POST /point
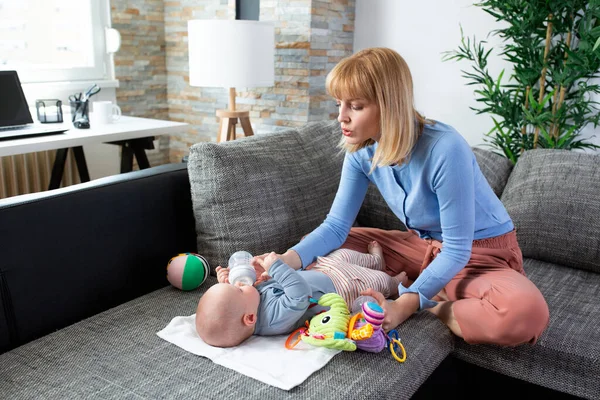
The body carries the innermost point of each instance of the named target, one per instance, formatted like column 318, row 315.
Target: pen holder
column 49, row 110
column 80, row 115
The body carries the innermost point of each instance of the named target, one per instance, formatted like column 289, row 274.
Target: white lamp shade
column 231, row 53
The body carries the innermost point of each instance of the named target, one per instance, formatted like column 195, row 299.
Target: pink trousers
column 493, row 301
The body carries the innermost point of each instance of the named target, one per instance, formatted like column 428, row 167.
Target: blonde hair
column 381, row 76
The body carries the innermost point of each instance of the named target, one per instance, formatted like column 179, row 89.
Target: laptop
column 15, row 118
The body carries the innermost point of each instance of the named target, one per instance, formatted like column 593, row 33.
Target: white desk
column 131, row 133
column 125, row 128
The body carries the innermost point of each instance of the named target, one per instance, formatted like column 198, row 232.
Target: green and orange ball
column 187, row 271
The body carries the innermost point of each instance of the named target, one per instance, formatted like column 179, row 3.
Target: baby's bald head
column 226, row 315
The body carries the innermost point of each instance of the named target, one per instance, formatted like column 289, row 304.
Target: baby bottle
column 370, row 309
column 240, row 268
column 360, row 300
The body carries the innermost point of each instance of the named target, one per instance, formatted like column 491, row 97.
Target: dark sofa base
column 455, row 378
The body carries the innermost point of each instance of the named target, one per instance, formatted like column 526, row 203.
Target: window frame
column 102, row 68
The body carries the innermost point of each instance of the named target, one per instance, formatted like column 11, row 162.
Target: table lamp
column 230, row 54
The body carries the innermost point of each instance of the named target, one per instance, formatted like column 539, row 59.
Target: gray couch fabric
column 567, row 355
column 117, row 355
column 375, row 213
column 494, row 167
column 553, row 199
column 263, row 192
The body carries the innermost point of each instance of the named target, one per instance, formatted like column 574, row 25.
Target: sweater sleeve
column 285, row 309
column 332, row 233
column 451, row 179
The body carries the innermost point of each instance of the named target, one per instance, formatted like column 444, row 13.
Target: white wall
column 421, row 31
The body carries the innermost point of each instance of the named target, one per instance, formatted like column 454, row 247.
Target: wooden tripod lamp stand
column 230, row 54
column 230, row 117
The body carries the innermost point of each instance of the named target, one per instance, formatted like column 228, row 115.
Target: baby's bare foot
column 401, row 278
column 375, row 249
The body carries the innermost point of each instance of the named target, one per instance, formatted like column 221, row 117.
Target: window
column 55, row 40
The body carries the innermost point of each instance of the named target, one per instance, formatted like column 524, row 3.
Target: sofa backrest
column 553, row 197
column 263, row 193
column 494, row 167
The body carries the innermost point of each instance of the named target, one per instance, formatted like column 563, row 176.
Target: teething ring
column 393, row 351
column 352, row 323
column 299, row 332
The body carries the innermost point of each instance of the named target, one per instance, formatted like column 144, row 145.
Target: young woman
column 460, row 249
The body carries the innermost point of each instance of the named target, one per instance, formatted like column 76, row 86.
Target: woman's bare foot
column 445, row 312
column 375, row 249
column 441, row 296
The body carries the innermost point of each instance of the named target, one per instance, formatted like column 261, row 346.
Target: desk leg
column 84, row 175
column 58, row 168
column 126, row 158
column 140, row 156
column 136, row 147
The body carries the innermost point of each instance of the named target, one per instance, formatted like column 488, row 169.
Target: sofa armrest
column 70, row 253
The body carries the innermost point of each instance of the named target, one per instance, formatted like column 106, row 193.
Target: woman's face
column 359, row 120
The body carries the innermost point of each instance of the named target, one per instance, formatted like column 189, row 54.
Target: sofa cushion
column 566, row 356
column 553, row 197
column 117, row 354
column 263, row 193
column 494, row 167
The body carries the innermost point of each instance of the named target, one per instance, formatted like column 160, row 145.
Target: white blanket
column 263, row 358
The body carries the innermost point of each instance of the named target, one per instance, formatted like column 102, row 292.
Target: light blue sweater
column 284, row 299
column 440, row 193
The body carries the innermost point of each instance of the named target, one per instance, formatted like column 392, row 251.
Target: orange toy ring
column 352, row 322
column 288, row 344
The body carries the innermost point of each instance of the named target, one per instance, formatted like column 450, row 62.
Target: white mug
column 105, row 112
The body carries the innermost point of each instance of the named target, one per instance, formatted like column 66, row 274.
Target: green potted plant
column 554, row 47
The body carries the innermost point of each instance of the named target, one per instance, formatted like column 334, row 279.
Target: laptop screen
column 13, row 106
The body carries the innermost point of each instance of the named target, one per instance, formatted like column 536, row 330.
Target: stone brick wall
column 332, row 38
column 140, row 65
column 193, row 105
column 311, row 37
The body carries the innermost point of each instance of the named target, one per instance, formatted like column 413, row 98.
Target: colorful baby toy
column 338, row 329
column 187, row 271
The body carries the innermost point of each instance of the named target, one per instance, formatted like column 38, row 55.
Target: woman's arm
column 332, row 233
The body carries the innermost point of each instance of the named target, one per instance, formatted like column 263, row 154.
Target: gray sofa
column 84, row 325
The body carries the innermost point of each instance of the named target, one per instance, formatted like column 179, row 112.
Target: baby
column 278, row 302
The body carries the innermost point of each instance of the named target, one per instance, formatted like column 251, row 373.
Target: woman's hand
column 290, row 257
column 268, row 261
column 222, row 274
column 263, row 263
column 397, row 311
